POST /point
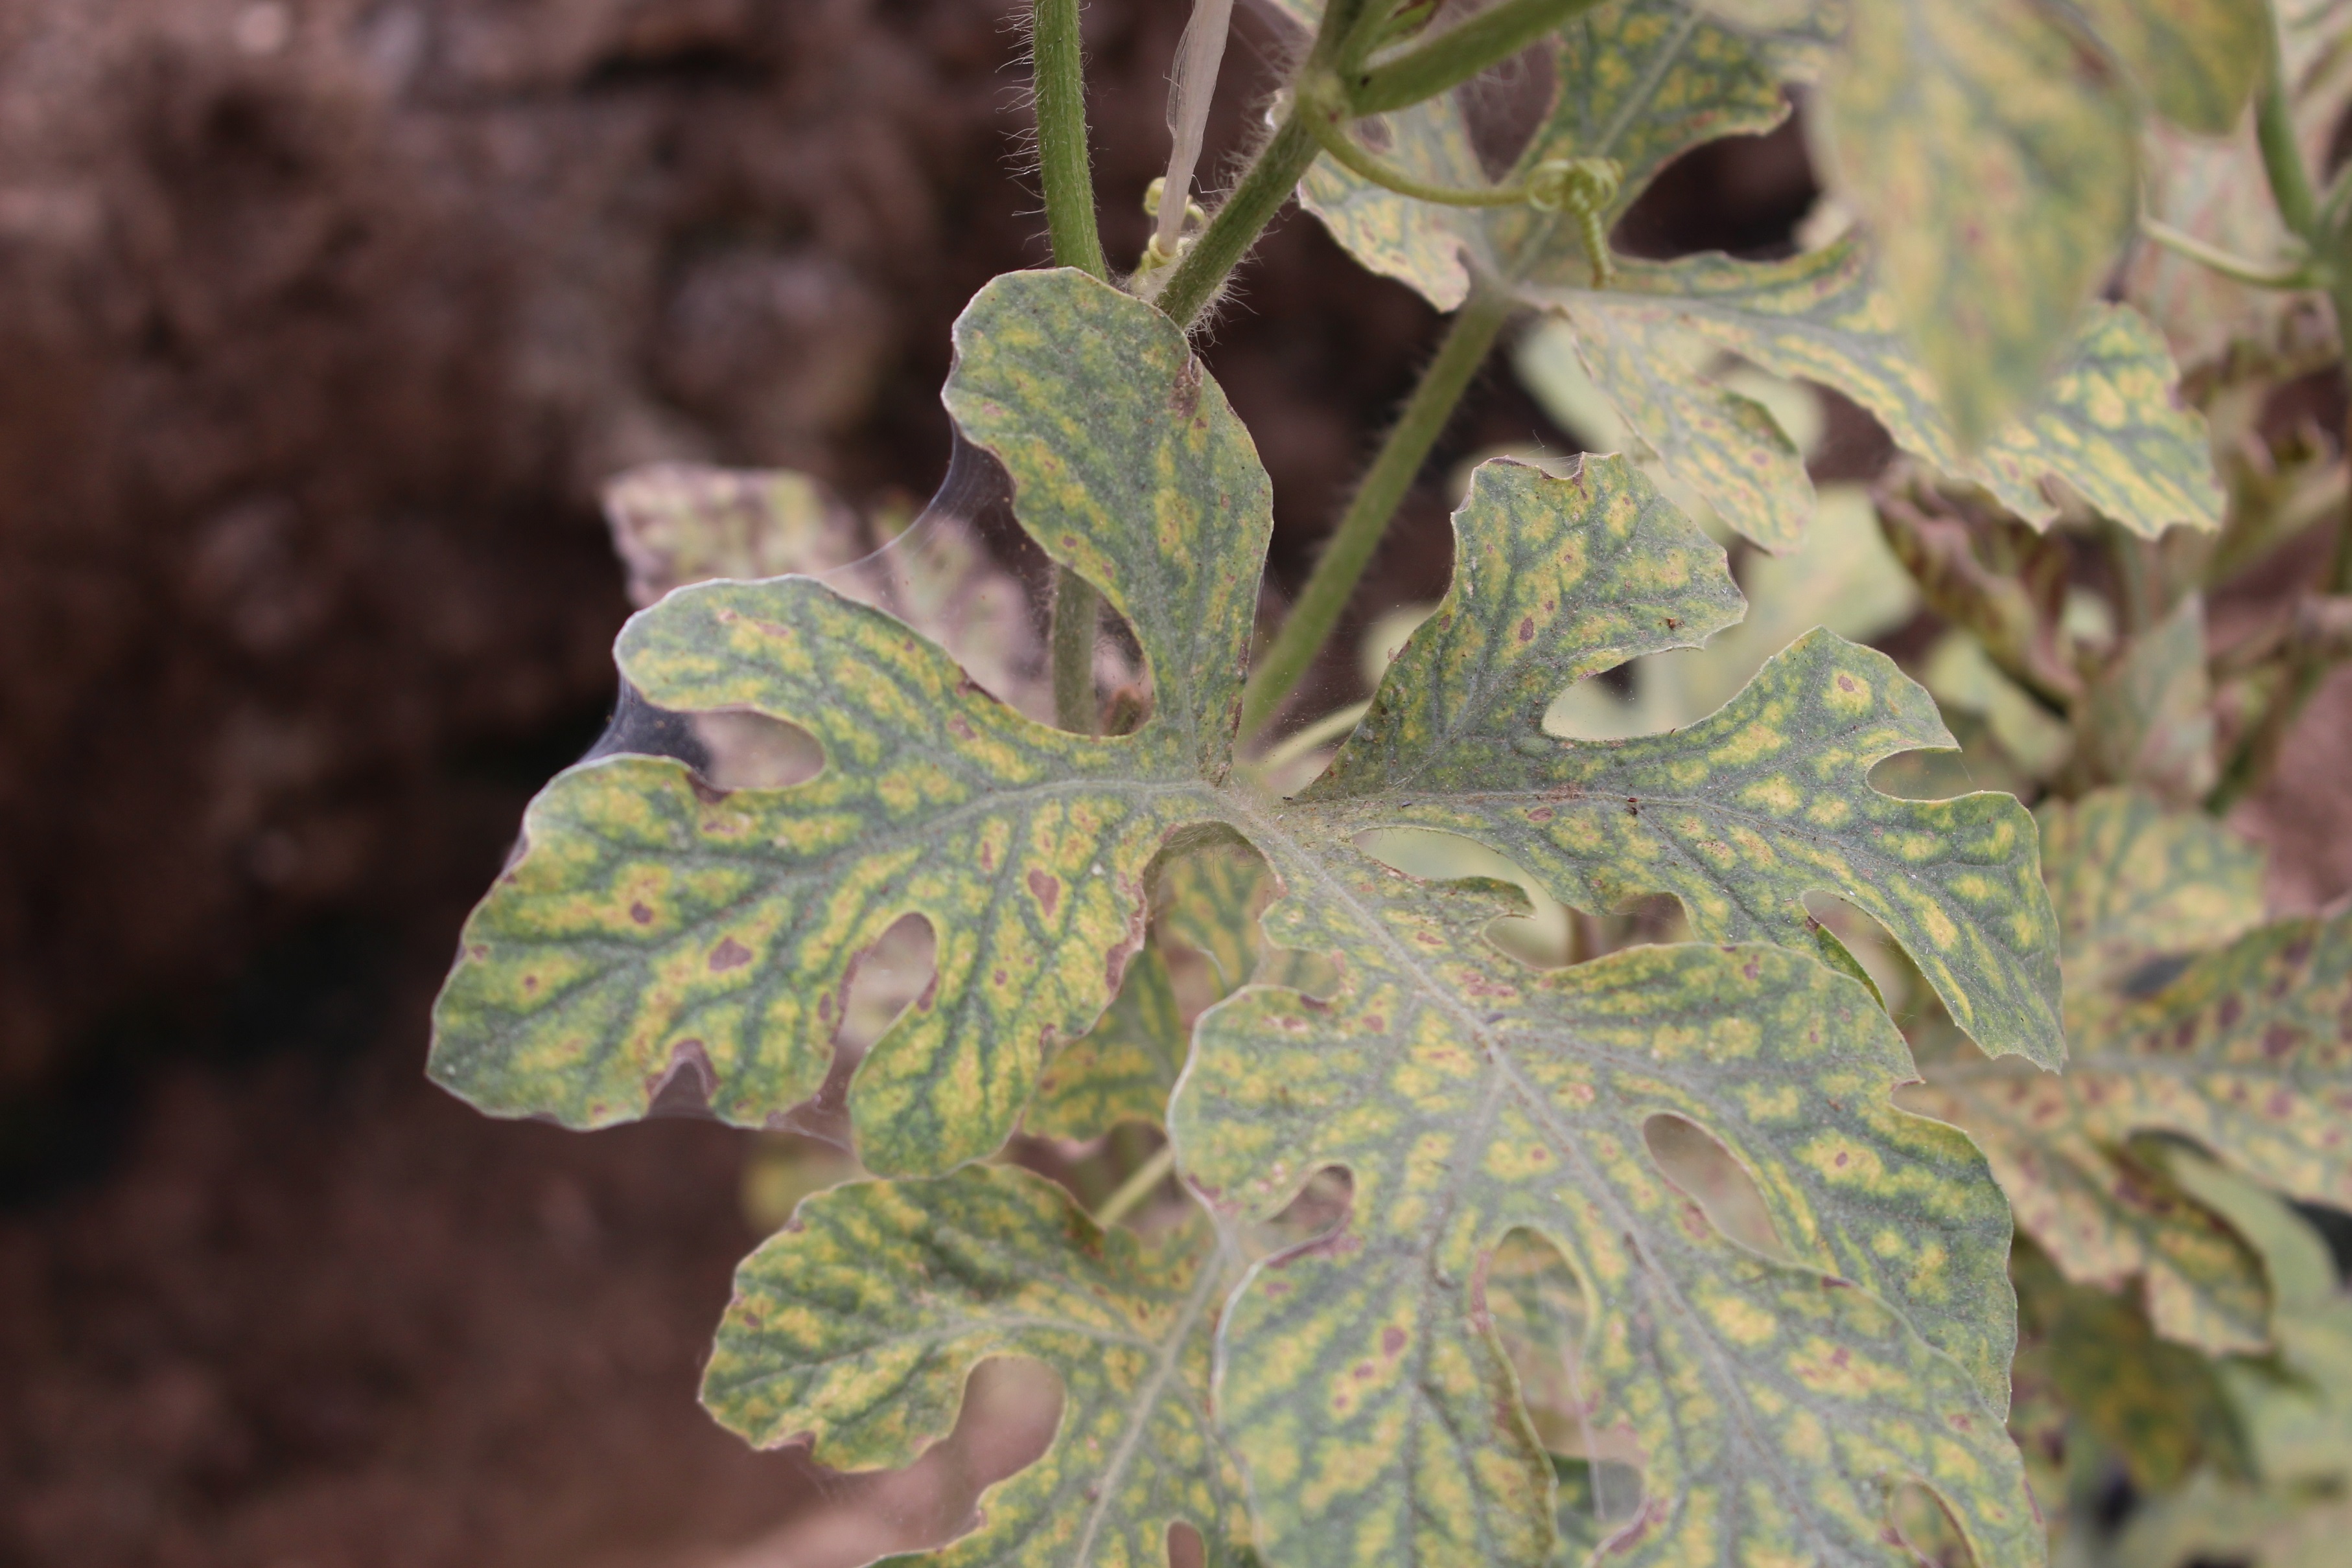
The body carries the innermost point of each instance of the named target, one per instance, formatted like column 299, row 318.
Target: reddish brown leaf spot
column 958, row 727
column 641, row 915
column 1540, row 814
column 1046, row 889
column 1846, row 682
column 2228, row 1014
column 1526, row 628
column 1363, row 1371
column 1392, row 1340
column 728, row 954
column 1841, row 1159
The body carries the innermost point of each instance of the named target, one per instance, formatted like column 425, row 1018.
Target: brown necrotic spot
column 1046, row 889
column 728, row 954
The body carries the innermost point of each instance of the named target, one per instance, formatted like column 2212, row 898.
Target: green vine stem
column 2307, row 669
column 1069, row 178
column 1451, row 57
column 1062, row 158
column 1326, row 113
column 2283, row 164
column 1333, row 580
column 1348, row 32
column 1218, row 248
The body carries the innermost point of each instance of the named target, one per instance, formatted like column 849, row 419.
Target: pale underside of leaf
column 857, row 1327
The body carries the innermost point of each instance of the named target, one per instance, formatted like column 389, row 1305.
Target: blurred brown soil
column 319, row 325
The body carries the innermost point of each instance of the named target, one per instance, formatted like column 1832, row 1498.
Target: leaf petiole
column 2303, row 274
column 1451, row 57
column 1325, row 112
column 1136, row 1188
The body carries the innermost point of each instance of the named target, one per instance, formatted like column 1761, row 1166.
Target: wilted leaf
column 1639, row 81
column 2296, row 1412
column 856, row 1328
column 675, row 523
column 1644, row 80
column 1994, row 157
column 1466, row 1097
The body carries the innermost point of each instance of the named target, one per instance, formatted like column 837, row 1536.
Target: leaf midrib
column 1504, row 1067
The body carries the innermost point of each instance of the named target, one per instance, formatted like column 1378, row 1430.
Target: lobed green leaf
column 653, row 918
column 1771, row 1404
column 857, row 1326
column 1739, row 815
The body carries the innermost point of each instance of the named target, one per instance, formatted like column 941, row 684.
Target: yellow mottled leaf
column 857, row 1326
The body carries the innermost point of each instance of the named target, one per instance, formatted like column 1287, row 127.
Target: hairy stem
column 1063, row 162
column 1061, row 89
column 1280, row 164
column 1341, row 38
column 1455, row 56
column 1333, row 580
